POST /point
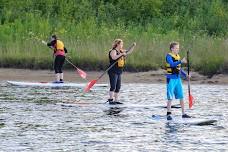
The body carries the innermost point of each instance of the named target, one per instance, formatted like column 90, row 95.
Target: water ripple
column 45, row 119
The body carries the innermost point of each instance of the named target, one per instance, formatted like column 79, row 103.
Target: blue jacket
column 174, row 64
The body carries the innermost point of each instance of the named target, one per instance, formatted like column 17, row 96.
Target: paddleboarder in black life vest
column 117, row 53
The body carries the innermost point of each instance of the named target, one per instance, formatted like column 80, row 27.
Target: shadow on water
column 171, row 137
column 2, row 124
column 115, row 111
column 171, row 128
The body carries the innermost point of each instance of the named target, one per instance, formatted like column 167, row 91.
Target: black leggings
column 59, row 61
column 115, row 81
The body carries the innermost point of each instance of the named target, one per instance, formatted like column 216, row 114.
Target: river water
column 47, row 119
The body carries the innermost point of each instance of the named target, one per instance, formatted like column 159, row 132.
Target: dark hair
column 54, row 37
column 172, row 44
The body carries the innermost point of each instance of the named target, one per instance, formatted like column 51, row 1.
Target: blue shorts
column 174, row 89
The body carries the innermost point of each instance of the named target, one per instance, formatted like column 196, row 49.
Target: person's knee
column 117, row 90
column 56, row 70
column 112, row 82
column 112, row 88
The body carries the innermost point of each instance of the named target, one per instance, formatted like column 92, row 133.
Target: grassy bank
column 88, row 29
column 89, row 47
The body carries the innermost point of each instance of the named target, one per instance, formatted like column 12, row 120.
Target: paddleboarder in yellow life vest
column 173, row 77
column 59, row 53
column 117, row 53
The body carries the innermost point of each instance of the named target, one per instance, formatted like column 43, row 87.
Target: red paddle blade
column 190, row 99
column 81, row 73
column 90, row 85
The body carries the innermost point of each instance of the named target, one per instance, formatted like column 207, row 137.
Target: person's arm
column 51, row 44
column 114, row 55
column 65, row 50
column 170, row 61
column 131, row 48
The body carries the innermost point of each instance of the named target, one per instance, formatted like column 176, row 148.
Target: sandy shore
column 72, row 76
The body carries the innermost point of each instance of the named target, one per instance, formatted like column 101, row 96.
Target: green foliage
column 89, row 27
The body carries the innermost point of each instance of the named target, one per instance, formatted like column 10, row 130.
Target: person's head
column 117, row 44
column 174, row 47
column 53, row 38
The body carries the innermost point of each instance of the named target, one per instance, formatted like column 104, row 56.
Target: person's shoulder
column 53, row 42
column 168, row 55
column 59, row 41
column 112, row 50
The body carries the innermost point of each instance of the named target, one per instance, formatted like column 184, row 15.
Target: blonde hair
column 116, row 42
column 172, row 44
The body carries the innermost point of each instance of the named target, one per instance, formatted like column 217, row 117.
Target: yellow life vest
column 59, row 45
column 121, row 62
column 173, row 70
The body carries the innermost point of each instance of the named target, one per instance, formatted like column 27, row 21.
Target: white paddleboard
column 51, row 84
column 124, row 105
column 185, row 121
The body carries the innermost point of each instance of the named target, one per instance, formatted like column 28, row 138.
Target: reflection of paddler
column 114, row 110
column 174, row 84
column 59, row 53
column 117, row 53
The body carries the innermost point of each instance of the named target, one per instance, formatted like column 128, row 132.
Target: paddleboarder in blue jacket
column 173, row 77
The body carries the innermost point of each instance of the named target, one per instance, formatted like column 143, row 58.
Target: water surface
column 35, row 119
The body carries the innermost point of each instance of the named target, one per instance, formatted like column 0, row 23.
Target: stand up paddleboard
column 176, row 106
column 185, row 121
column 51, row 84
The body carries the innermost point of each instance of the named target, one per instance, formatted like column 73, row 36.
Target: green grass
column 88, row 46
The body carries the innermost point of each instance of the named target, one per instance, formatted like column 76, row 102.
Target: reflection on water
column 114, row 110
column 44, row 119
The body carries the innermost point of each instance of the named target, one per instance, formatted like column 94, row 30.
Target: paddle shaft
column 114, row 63
column 71, row 63
column 188, row 68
